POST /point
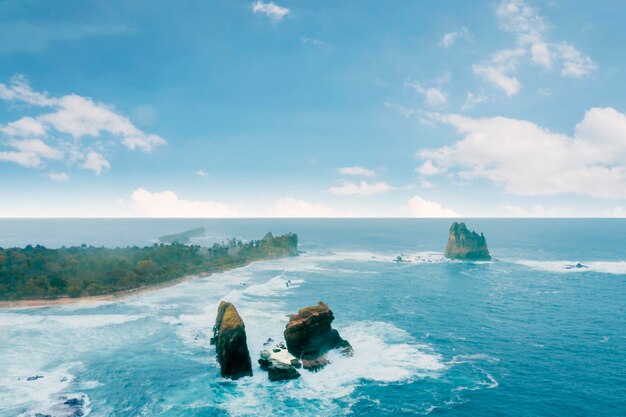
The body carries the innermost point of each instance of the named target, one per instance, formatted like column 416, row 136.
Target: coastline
column 116, row 296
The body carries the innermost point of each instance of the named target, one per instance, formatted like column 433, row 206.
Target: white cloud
column 526, row 159
column 312, row 41
column 538, row 210
column 450, row 38
column 58, row 176
column 427, row 169
column 292, row 207
column 30, row 153
column 361, row 189
column 472, row 100
column 421, row 207
column 360, row 171
column 96, row 162
column 77, row 124
column 201, row 173
column 24, row 127
column 275, row 12
column 433, row 97
column 575, row 64
column 529, row 29
column 168, row 204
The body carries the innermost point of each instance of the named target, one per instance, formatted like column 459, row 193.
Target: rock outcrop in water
column 466, row 245
column 279, row 363
column 229, row 338
column 309, row 336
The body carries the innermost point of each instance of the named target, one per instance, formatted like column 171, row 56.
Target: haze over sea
column 519, row 336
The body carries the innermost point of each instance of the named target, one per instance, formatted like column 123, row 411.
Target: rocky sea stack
column 466, row 245
column 309, row 336
column 229, row 338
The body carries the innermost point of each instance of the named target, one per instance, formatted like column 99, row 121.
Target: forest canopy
column 36, row 272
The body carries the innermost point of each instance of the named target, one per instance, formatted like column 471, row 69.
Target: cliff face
column 231, row 342
column 280, row 245
column 466, row 245
column 309, row 335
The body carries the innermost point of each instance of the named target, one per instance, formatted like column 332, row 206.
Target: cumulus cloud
column 527, row 159
column 358, row 171
column 292, row 207
column 168, row 204
column 77, row 125
column 448, row 39
column 529, row 29
column 275, row 12
column 58, row 176
column 201, row 173
column 420, row 207
column 362, row 188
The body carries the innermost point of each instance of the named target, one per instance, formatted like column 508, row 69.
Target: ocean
column 522, row 335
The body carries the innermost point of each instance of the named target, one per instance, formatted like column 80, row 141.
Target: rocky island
column 40, row 273
column 466, row 245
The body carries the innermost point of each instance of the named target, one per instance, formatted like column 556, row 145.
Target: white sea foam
column 617, row 267
column 46, row 394
column 73, row 322
column 383, row 353
column 274, row 286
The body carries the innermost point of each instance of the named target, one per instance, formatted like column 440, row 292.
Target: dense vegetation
column 36, row 272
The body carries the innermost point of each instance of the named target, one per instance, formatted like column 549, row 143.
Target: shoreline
column 116, row 296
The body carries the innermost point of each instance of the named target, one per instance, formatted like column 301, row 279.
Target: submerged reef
column 466, row 245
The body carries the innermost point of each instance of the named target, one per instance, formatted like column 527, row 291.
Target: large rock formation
column 309, row 336
column 229, row 338
column 466, row 245
column 279, row 363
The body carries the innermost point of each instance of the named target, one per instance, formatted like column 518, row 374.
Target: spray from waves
column 54, row 392
column 383, row 354
column 616, row 268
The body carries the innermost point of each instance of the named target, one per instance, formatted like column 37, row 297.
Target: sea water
column 523, row 335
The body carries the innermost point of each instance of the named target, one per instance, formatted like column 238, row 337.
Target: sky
column 320, row 108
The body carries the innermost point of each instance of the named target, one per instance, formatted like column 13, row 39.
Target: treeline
column 36, row 272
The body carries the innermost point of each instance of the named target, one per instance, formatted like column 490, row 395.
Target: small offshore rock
column 279, row 364
column 34, row 378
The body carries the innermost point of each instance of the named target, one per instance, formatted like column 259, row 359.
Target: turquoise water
column 519, row 336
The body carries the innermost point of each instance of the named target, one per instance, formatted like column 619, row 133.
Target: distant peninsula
column 466, row 245
column 39, row 273
column 184, row 237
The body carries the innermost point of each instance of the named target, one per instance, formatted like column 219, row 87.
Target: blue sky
column 232, row 108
